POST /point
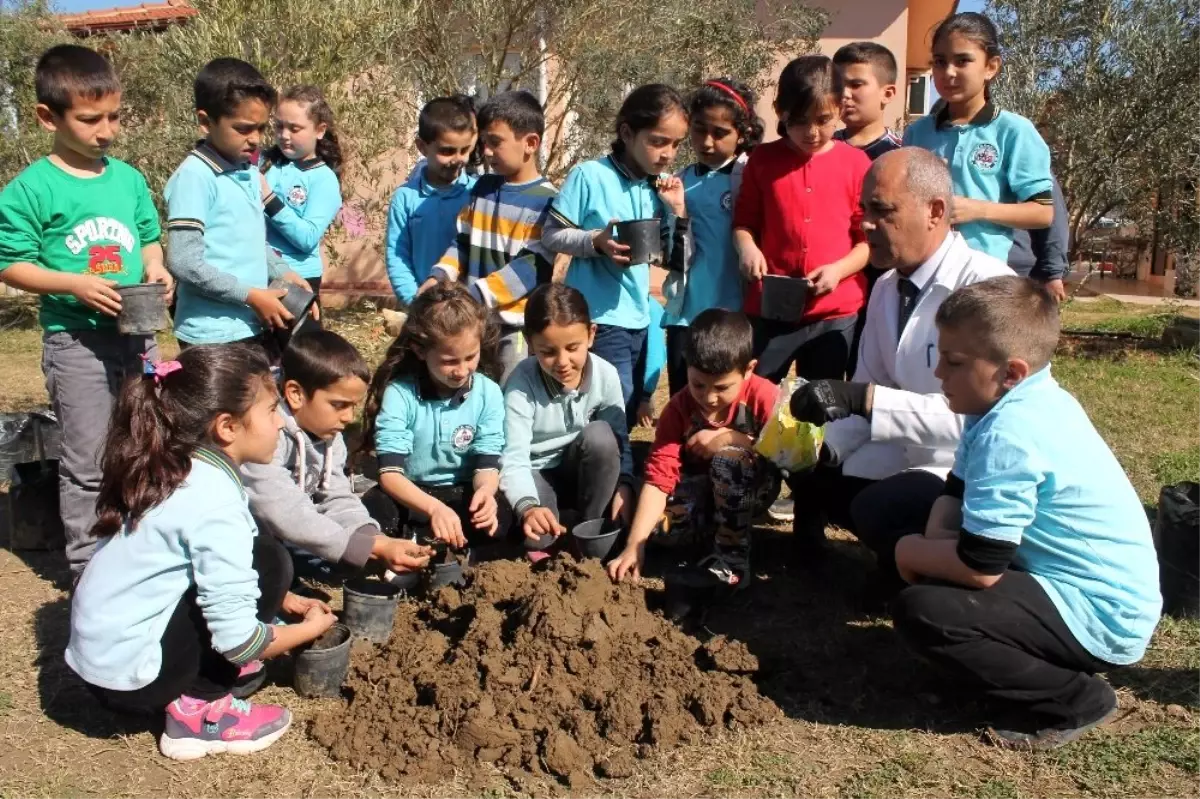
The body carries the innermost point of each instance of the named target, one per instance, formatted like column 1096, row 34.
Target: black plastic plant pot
column 784, row 298
column 321, row 668
column 298, row 301
column 369, row 608
column 143, row 309
column 444, row 574
column 644, row 239
column 595, row 538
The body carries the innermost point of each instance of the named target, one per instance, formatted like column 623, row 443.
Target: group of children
column 505, row 404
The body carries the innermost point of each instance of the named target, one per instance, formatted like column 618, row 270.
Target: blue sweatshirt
column 437, row 441
column 542, row 419
column 203, row 536
column 307, row 196
column 422, row 223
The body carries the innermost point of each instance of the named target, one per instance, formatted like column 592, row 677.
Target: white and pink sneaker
column 196, row 728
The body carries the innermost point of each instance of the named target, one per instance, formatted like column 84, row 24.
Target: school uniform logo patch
column 727, row 201
column 985, row 157
column 464, row 434
column 296, row 196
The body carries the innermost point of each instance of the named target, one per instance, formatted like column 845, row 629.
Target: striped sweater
column 498, row 249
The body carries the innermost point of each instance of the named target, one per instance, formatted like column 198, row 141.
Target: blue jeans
column 626, row 350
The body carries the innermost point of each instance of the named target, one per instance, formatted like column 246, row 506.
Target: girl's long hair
column 329, row 149
column 444, row 310
column 158, row 422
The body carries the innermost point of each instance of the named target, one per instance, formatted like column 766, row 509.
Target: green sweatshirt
column 96, row 226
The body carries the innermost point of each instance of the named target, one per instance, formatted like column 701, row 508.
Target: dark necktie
column 908, row 300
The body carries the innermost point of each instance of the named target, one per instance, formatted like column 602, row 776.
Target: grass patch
column 1106, row 315
column 767, row 773
column 1177, row 466
column 1115, row 765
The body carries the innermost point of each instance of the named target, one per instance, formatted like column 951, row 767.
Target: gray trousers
column 84, row 371
column 512, row 350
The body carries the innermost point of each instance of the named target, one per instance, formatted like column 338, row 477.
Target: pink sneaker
column 196, row 728
column 250, row 678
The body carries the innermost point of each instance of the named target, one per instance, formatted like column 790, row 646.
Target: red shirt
column 803, row 213
column 682, row 418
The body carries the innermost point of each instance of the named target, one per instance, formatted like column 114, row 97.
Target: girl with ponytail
column 301, row 183
column 174, row 609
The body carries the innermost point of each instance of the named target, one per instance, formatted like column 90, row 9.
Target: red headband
column 737, row 98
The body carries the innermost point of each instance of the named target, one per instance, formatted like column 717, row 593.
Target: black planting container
column 321, row 668
column 369, row 608
column 644, row 239
column 143, row 309
column 297, row 301
column 595, row 538
column 443, row 574
column 784, row 298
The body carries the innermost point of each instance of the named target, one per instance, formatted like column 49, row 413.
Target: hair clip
column 159, row 369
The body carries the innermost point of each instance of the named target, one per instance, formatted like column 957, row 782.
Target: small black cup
column 644, row 239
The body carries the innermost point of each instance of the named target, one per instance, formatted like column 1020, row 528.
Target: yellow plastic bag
column 792, row 445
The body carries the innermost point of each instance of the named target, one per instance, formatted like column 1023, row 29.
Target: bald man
column 889, row 435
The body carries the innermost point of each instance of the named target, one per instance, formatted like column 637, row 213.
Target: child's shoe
column 697, row 586
column 196, row 728
column 250, row 678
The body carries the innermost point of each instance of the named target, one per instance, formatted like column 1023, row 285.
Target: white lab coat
column 911, row 426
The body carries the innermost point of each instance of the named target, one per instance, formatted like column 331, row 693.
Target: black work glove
column 824, row 401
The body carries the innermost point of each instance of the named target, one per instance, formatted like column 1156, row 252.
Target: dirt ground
column 858, row 715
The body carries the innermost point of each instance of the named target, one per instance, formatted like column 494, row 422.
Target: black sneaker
column 1045, row 740
column 694, row 587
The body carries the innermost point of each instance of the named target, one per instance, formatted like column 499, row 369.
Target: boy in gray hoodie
column 303, row 496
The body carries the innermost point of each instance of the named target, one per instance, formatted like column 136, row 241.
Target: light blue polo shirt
column 998, row 156
column 713, row 278
column 1038, row 475
column 594, row 193
column 223, row 200
column 307, row 196
column 438, row 441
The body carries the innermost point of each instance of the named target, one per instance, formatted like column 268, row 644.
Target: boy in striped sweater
column 498, row 250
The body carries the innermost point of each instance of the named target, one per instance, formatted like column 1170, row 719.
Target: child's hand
column 623, row 504
column 753, row 263
column 540, row 521
column 296, row 280
column 158, row 274
column 319, row 618
column 670, row 189
column 446, row 526
column 645, row 413
column 300, row 605
column 97, row 293
column 485, row 511
column 604, row 243
column 627, row 564
column 263, row 187
column 964, row 210
column 266, row 303
column 822, row 280
column 1057, row 290
column 400, row 554
column 705, row 444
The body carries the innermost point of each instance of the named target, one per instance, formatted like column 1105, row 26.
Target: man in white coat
column 889, row 435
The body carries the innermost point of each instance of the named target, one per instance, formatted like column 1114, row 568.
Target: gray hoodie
column 303, row 497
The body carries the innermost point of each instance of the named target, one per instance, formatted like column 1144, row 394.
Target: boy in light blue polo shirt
column 423, row 216
column 1036, row 569
column 217, row 236
column 997, row 157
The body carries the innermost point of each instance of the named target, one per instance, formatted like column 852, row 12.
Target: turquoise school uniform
column 306, row 198
column 998, row 156
column 440, row 441
column 223, row 201
column 422, row 223
column 713, row 279
column 1037, row 475
column 594, row 193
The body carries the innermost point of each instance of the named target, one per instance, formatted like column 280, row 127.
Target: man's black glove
column 824, row 401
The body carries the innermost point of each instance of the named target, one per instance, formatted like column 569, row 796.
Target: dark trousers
column 878, row 512
column 820, row 350
column 190, row 665
column 1010, row 642
column 398, row 521
column 626, row 350
column 873, row 276
column 584, row 480
column 677, row 374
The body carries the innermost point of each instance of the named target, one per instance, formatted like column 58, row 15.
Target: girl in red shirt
column 798, row 216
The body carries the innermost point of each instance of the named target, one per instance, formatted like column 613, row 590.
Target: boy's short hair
column 520, row 110
column 225, row 83
column 719, row 342
column 878, row 56
column 319, row 359
column 441, row 114
column 1008, row 317
column 69, row 70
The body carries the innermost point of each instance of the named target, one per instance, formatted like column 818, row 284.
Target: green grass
column 1112, row 765
column 1106, row 315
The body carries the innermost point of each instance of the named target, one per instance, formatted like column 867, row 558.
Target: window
column 918, row 95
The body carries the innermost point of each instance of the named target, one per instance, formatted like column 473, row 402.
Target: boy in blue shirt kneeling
column 1036, row 569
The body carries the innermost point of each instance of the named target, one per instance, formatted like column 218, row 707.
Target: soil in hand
column 556, row 672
